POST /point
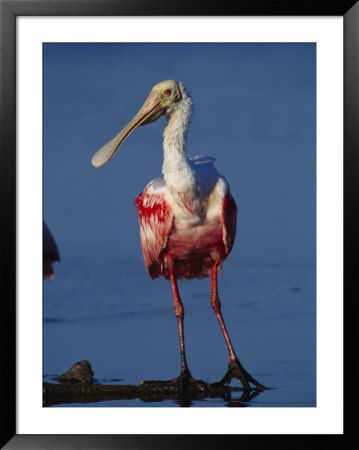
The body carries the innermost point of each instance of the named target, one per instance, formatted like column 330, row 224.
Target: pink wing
column 155, row 218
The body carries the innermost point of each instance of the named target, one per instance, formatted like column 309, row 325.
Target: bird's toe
column 237, row 371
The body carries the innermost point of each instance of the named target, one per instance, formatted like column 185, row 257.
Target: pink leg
column 179, row 313
column 185, row 379
column 216, row 305
column 235, row 368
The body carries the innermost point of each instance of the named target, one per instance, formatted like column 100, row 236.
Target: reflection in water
column 246, row 396
column 228, row 400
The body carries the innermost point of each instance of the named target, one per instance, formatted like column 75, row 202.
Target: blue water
column 108, row 311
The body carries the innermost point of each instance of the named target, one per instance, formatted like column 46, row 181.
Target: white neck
column 176, row 169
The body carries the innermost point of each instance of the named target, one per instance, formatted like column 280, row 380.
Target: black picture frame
column 9, row 10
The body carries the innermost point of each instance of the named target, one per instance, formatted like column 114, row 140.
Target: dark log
column 90, row 393
column 80, row 372
column 77, row 386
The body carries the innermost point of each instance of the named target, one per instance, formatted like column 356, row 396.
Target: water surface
column 124, row 324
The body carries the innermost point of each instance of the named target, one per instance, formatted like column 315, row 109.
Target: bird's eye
column 167, row 91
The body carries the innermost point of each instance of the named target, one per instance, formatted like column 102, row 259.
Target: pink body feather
column 191, row 251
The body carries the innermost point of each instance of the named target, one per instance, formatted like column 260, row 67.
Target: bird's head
column 162, row 97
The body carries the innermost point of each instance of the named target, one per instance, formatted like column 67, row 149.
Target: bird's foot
column 236, row 370
column 183, row 382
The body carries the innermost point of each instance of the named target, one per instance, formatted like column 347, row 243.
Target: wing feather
column 155, row 218
column 229, row 221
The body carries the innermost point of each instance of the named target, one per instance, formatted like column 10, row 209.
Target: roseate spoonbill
column 50, row 253
column 187, row 215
